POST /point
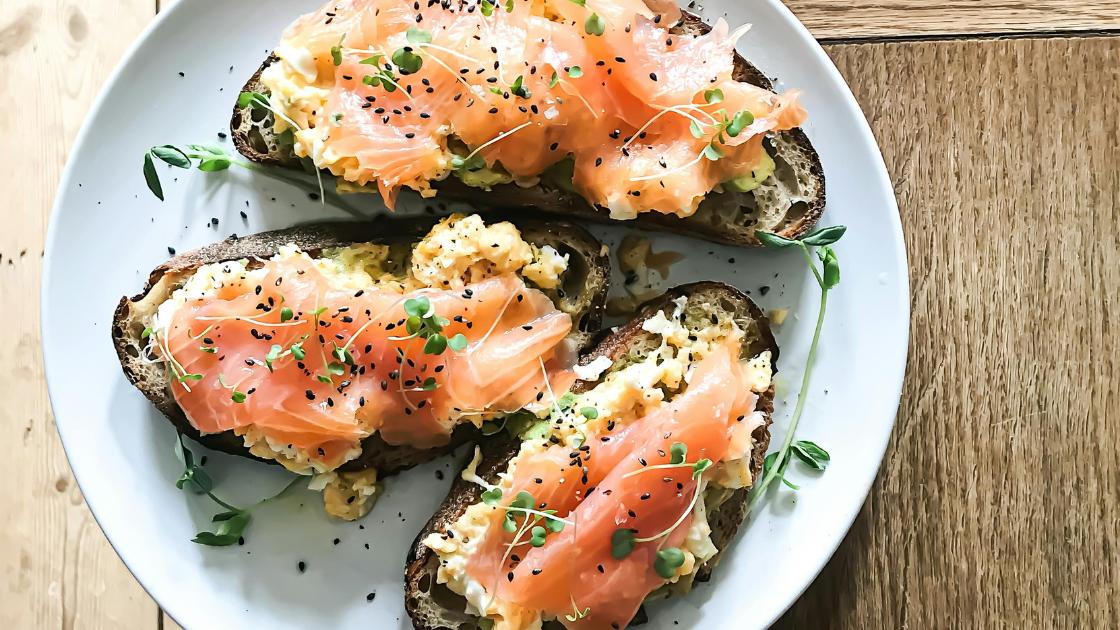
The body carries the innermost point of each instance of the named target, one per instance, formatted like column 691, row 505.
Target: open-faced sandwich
column 605, row 109
column 347, row 350
column 626, row 489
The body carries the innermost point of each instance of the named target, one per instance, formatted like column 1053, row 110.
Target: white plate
column 107, row 232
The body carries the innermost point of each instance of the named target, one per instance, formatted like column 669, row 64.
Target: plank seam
column 979, row 36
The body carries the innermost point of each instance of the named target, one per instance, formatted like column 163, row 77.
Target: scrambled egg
column 463, row 249
column 457, row 251
column 348, row 495
column 631, row 389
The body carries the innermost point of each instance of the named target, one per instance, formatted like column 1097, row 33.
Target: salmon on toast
column 348, row 350
column 628, row 489
column 612, row 109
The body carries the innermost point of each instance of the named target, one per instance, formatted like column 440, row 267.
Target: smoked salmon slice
column 318, row 368
column 642, row 480
column 402, row 95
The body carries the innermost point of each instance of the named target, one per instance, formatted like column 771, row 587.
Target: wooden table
column 999, row 501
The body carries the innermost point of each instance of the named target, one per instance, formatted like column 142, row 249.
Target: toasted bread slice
column 789, row 202
column 432, row 605
column 581, row 295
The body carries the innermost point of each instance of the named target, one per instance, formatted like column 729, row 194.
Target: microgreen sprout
column 232, row 521
column 594, row 25
column 713, row 96
column 517, row 88
column 424, row 323
column 577, row 613
column 297, row 351
column 273, row 355
column 383, row 75
column 532, row 521
column 418, row 35
column 827, row 277
column 622, row 542
column 624, row 539
column 667, row 562
column 236, row 395
column 407, row 61
column 336, row 52
column 492, row 496
column 677, row 453
column 522, row 503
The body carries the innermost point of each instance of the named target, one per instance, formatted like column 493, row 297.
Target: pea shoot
column 827, row 277
column 232, row 521
column 210, row 158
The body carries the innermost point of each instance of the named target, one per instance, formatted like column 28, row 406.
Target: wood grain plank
column 999, row 502
column 59, row 571
column 828, row 19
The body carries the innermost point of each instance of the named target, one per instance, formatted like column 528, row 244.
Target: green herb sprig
column 210, row 158
column 827, row 276
column 232, row 521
